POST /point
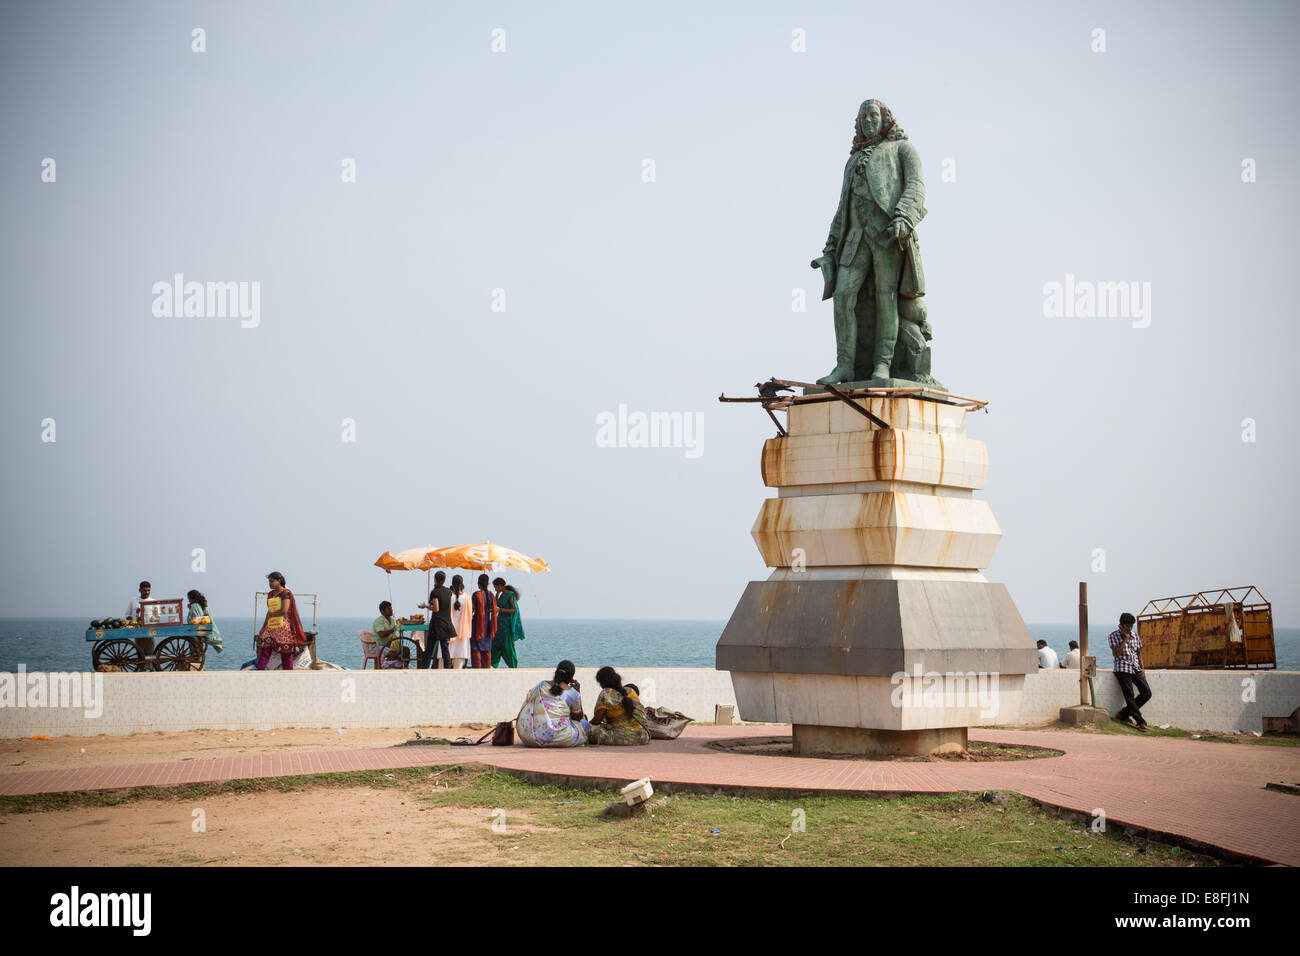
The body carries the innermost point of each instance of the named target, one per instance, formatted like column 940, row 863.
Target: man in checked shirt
column 1124, row 648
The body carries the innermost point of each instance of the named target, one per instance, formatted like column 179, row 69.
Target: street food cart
column 412, row 631
column 159, row 640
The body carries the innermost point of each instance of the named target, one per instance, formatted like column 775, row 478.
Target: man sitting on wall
column 1046, row 656
column 1071, row 659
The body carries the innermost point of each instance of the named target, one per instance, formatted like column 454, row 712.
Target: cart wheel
column 408, row 651
column 178, row 654
column 118, row 652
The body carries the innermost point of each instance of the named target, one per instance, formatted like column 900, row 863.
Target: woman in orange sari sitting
column 282, row 630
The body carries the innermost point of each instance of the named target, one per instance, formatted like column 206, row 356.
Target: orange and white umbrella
column 483, row 556
column 486, row 556
column 420, row 559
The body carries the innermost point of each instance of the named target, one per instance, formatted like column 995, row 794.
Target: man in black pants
column 1124, row 648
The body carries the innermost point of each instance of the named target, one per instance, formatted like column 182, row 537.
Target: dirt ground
column 328, row 826
column 60, row 753
column 319, row 826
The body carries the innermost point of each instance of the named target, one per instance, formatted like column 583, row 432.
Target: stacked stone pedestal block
column 876, row 631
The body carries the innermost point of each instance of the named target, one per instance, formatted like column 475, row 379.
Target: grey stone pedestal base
column 1083, row 714
column 877, row 666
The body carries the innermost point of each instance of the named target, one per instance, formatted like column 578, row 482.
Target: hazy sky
column 526, row 171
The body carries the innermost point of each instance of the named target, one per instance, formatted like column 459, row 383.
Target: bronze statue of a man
column 873, row 237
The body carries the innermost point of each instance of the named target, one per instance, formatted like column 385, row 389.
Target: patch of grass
column 923, row 830
column 1126, row 729
column 1117, row 727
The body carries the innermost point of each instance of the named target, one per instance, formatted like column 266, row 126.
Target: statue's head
column 875, row 123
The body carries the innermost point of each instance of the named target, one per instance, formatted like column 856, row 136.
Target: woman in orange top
column 619, row 720
column 282, row 629
column 462, row 617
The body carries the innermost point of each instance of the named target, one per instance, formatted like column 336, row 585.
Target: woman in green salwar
column 509, row 627
column 197, row 613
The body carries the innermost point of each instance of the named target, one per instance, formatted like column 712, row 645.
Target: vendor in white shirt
column 1047, row 656
column 1072, row 656
column 144, row 644
column 133, row 609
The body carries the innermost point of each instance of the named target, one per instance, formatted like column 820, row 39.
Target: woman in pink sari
column 282, row 629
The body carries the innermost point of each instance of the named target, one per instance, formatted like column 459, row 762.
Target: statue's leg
column 886, row 332
column 863, row 360
column 847, row 285
column 889, row 265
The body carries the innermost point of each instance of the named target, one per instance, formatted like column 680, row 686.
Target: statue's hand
column 899, row 228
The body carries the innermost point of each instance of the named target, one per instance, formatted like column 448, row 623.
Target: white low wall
column 248, row 700
column 252, row 700
column 1220, row 700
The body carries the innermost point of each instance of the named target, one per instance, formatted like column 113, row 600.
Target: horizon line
column 541, row 617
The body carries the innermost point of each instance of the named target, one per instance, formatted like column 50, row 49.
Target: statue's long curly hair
column 889, row 128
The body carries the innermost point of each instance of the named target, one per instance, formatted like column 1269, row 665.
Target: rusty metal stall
column 1224, row 628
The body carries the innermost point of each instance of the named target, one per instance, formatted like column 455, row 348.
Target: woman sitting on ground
column 619, row 720
column 552, row 712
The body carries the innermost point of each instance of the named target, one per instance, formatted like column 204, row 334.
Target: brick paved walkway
column 1197, row 791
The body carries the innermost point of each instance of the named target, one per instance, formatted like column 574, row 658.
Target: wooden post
column 1083, row 641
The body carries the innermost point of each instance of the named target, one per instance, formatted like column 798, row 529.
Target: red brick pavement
column 1196, row 791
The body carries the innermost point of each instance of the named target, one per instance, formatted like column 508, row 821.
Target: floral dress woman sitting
column 552, row 712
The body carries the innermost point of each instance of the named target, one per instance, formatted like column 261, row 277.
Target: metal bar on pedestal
column 779, row 427
column 878, row 422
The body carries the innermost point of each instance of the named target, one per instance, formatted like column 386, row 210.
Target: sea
column 59, row 644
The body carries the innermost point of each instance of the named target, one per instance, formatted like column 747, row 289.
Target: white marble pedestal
column 876, row 631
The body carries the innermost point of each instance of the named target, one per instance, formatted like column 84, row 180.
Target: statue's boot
column 886, row 332
column 846, row 347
